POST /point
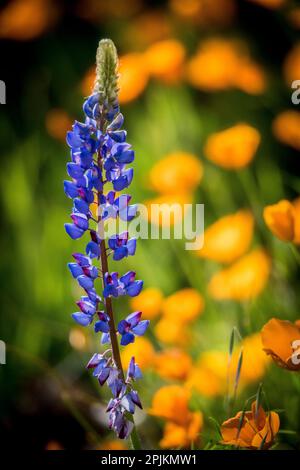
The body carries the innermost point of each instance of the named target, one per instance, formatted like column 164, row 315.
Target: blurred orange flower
column 173, row 364
column 133, row 77
column 143, row 352
column 281, row 340
column 204, row 12
column 164, row 60
column 243, row 280
column 171, row 332
column 27, row 19
column 255, row 431
column 57, row 123
column 228, row 238
column 296, row 205
column 183, row 306
column 220, row 64
column 149, row 302
column 178, row 172
column 286, row 128
column 175, row 436
column 280, row 218
column 208, row 376
column 291, row 66
column 168, row 210
column 171, row 403
column 233, row 148
column 294, row 17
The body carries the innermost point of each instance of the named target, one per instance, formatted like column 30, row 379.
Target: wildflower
column 204, row 12
column 291, row 66
column 133, row 76
column 286, row 128
column 26, row 19
column 100, row 155
column 228, row 238
column 178, row 172
column 173, row 364
column 243, row 280
column 255, row 362
column 233, row 148
column 142, row 349
column 164, row 60
column 183, row 306
column 257, row 429
column 149, row 301
column 183, row 426
column 131, row 326
column 280, row 218
column 281, row 340
column 171, row 332
column 208, row 376
column 112, row 445
column 221, row 64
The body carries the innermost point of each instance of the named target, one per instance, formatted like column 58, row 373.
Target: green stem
column 295, row 253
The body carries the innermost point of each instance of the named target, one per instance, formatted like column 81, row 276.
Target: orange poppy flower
column 143, row 352
column 204, row 12
column 116, row 444
column 26, row 19
column 171, row 332
column 220, row 64
column 164, row 60
column 133, row 77
column 228, row 238
column 173, row 364
column 258, row 430
column 233, row 148
column 281, row 340
column 286, row 128
column 280, row 218
column 176, row 173
column 171, row 403
column 208, row 376
column 175, row 436
column 149, row 302
column 296, row 205
column 183, row 306
column 243, row 280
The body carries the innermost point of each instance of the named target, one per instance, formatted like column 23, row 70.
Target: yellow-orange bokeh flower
column 243, row 280
column 173, row 364
column 171, row 332
column 233, row 148
column 278, row 337
column 228, row 238
column 143, row 352
column 183, row 306
column 221, row 64
column 280, row 219
column 286, row 128
column 176, row 436
column 177, row 172
column 26, row 19
column 149, row 301
column 164, row 60
column 256, row 431
column 168, row 210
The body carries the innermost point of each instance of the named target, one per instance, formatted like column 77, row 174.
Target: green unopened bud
column 107, row 72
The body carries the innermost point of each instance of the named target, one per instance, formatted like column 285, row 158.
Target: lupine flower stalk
column 99, row 158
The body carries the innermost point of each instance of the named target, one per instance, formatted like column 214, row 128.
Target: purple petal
column 82, row 318
column 73, row 231
column 140, row 329
column 133, row 319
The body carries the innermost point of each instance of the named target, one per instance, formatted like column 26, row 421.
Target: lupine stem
column 134, row 438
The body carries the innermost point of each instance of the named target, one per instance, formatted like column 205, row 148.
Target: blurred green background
column 47, row 52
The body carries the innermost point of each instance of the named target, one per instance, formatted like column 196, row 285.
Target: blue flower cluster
column 99, row 156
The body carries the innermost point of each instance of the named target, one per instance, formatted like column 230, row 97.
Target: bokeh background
column 189, row 70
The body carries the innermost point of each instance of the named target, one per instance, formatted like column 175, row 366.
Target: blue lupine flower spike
column 99, row 155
